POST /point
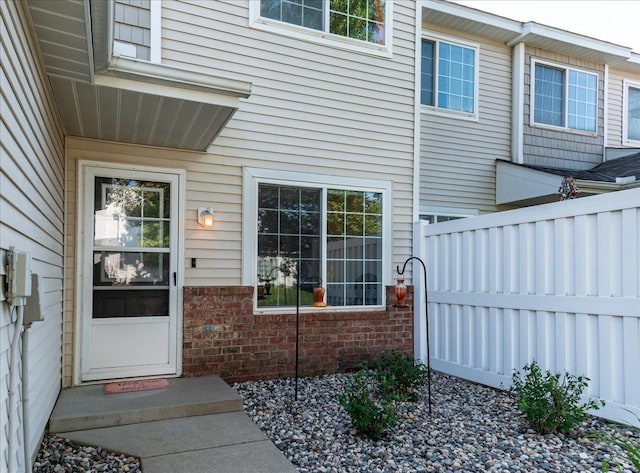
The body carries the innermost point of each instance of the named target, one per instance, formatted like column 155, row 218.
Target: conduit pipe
column 26, row 412
column 13, row 368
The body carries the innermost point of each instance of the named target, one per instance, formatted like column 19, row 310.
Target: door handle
column 175, row 278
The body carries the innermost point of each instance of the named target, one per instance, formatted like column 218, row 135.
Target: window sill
column 561, row 129
column 321, row 37
column 631, row 143
column 310, row 310
column 443, row 112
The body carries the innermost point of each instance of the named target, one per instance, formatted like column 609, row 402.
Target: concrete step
column 220, row 443
column 87, row 407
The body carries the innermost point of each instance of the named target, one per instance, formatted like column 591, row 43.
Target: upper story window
column 449, row 76
column 309, row 232
column 565, row 98
column 353, row 24
column 631, row 119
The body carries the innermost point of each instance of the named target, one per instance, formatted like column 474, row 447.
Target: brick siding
column 222, row 336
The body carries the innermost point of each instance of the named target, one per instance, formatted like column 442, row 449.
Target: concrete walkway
column 197, row 425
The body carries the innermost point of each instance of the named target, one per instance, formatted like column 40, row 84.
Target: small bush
column 551, row 402
column 367, row 416
column 400, row 376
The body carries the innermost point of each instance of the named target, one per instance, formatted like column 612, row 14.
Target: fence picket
column 559, row 283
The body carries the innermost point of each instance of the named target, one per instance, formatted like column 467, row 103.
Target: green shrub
column 368, row 417
column 400, row 376
column 551, row 402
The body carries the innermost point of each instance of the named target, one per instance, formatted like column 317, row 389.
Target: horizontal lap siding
column 31, row 203
column 457, row 157
column 313, row 108
column 616, row 105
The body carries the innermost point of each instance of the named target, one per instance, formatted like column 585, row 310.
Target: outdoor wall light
column 205, row 217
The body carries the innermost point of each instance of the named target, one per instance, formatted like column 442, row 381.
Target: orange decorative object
column 401, row 293
column 318, row 297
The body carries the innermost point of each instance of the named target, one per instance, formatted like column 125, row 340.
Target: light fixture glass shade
column 205, row 217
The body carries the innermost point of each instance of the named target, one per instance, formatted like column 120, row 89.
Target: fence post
column 419, row 322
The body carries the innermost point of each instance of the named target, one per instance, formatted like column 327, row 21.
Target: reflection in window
column 565, row 98
column 633, row 113
column 131, row 214
column 358, row 19
column 311, row 226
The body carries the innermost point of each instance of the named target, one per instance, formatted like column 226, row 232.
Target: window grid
column 582, row 101
column 354, row 248
column 307, row 13
column 453, row 78
column 565, row 98
column 363, row 20
column 290, row 229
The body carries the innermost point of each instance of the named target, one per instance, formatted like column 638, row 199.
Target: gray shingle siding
column 559, row 148
column 133, row 24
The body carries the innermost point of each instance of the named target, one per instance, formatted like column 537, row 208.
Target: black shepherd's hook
column 426, row 310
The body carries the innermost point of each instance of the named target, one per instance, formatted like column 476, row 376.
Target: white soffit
column 130, row 116
column 497, row 28
column 61, row 30
column 128, row 101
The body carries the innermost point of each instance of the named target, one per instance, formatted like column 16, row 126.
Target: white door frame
column 84, row 247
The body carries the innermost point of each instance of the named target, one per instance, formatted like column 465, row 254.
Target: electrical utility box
column 18, row 277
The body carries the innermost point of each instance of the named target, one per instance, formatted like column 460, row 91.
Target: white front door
column 128, row 276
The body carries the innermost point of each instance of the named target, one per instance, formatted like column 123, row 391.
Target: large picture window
column 363, row 20
column 448, row 76
column 631, row 118
column 319, row 235
column 565, row 98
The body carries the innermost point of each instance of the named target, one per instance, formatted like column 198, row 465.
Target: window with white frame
column 362, row 20
column 631, row 119
column 445, row 216
column 315, row 234
column 448, row 75
column 564, row 97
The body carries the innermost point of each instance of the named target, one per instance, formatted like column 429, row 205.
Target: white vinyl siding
column 312, row 108
column 615, row 111
column 631, row 113
column 31, row 199
column 457, row 157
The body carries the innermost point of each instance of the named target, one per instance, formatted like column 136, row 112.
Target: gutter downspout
column 605, row 113
column 517, row 103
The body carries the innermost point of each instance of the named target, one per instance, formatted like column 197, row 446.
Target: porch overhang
column 523, row 186
column 105, row 97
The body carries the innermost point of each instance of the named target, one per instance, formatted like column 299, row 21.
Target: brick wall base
column 222, row 336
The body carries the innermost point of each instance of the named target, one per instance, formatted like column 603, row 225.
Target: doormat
column 136, row 385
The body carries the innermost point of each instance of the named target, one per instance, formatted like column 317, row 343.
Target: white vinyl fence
column 558, row 283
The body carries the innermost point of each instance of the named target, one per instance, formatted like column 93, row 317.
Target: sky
column 615, row 21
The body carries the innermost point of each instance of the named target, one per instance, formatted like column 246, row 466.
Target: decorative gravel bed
column 58, row 455
column 472, row 428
